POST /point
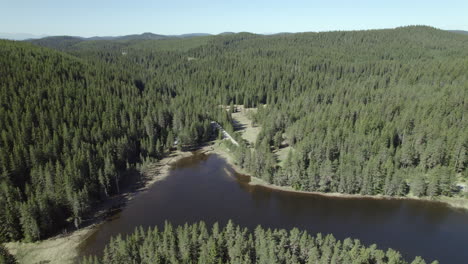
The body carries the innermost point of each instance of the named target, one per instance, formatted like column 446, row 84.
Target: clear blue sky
column 118, row 17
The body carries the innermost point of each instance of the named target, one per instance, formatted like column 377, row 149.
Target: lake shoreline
column 453, row 202
column 65, row 248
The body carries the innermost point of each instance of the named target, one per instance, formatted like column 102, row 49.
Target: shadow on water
column 205, row 187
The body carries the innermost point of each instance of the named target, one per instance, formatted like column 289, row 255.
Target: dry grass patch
column 60, row 249
column 243, row 122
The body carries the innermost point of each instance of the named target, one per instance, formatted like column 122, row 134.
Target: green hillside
column 70, row 129
column 367, row 112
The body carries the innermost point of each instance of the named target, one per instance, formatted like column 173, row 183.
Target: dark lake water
column 205, row 187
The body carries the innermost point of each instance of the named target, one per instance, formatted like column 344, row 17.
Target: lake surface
column 205, row 187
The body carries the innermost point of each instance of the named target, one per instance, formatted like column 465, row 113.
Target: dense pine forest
column 70, row 128
column 372, row 113
column 367, row 112
column 232, row 244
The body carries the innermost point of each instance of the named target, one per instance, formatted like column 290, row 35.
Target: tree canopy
column 197, row 243
column 369, row 112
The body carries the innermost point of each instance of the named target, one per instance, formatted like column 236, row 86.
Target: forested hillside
column 370, row 112
column 232, row 244
column 70, row 129
column 381, row 112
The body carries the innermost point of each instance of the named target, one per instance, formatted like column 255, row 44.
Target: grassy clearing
column 243, row 122
column 64, row 249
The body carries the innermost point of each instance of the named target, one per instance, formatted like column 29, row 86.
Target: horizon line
column 26, row 36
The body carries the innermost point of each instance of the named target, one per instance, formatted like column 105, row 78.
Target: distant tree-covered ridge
column 197, row 243
column 368, row 112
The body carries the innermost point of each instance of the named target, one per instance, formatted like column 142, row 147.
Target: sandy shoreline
column 65, row 248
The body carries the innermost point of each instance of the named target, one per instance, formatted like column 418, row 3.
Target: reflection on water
column 204, row 187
